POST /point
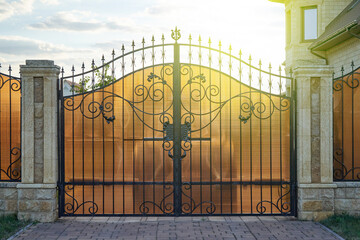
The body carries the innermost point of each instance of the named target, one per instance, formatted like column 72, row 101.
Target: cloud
column 15, row 45
column 50, row 2
column 82, row 21
column 11, row 8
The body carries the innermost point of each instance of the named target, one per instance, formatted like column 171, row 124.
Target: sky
column 74, row 31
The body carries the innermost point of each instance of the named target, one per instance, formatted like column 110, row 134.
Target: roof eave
column 335, row 38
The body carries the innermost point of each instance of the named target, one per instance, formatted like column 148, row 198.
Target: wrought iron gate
column 176, row 138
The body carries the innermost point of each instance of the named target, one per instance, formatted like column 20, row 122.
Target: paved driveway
column 177, row 228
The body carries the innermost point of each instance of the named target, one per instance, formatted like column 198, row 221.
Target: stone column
column 314, row 142
column 37, row 198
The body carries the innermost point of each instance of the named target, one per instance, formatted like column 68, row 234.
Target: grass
column 346, row 226
column 9, row 225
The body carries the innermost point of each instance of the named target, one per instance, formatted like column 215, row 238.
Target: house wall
column 343, row 54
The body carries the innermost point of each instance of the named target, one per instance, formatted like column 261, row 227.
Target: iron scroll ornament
column 341, row 171
column 72, row 206
column 282, row 205
column 188, row 207
column 13, row 172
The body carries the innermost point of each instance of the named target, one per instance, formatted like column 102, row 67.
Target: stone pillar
column 37, row 198
column 314, row 142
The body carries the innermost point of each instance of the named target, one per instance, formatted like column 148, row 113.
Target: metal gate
column 176, row 133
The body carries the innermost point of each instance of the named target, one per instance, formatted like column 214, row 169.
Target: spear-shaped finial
column 103, row 58
column 143, row 41
column 83, row 66
column 123, row 48
column 209, row 41
column 133, row 44
column 153, row 39
column 113, row 52
column 199, row 39
column 73, row 69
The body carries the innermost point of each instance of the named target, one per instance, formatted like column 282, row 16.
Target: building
column 322, row 38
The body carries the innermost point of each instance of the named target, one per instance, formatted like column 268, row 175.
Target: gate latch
column 169, row 131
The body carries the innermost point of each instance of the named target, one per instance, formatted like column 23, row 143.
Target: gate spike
column 280, row 69
column 73, row 69
column 260, row 63
column 240, row 53
column 10, row 69
column 199, row 39
column 113, row 52
column 220, row 44
column 209, row 41
column 103, row 58
column 62, row 70
column 270, row 67
column 123, row 47
column 190, row 38
column 93, row 64
column 163, row 38
column 133, row 43
column 143, row 41
column 250, row 58
column 352, row 63
column 83, row 66
column 0, row 65
column 153, row 38
column 230, row 48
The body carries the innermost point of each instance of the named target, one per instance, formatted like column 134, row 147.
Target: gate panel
column 239, row 167
column 112, row 168
column 10, row 128
column 178, row 138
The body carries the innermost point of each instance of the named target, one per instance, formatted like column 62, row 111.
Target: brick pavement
column 81, row 228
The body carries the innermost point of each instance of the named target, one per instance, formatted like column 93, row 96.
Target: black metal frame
column 177, row 128
column 341, row 171
column 12, row 174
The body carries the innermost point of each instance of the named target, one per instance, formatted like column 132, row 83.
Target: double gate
column 203, row 133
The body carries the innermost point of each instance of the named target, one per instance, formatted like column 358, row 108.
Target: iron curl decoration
column 72, row 206
column 341, row 171
column 13, row 171
column 210, row 93
column 283, row 206
column 191, row 206
column 175, row 34
column 154, row 91
column 15, row 83
column 351, row 80
column 166, row 208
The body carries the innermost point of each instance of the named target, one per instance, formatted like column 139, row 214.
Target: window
column 309, row 23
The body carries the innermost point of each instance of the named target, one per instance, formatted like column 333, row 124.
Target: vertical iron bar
column 143, row 116
column 220, row 118
column 62, row 150
column 190, row 100
column 200, row 116
column 240, row 127
column 10, row 124
column 210, row 80
column 93, row 133
column 177, row 130
column 83, row 134
column 103, row 129
column 342, row 120
column 163, row 110
column 113, row 129
column 153, row 119
column 73, row 131
column 271, row 187
column 280, row 123
column 133, row 123
column 231, row 180
column 260, row 125
column 251, row 147
column 352, row 123
column 293, row 145
column 123, row 126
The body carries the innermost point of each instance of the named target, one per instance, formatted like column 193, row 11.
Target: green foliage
column 345, row 225
column 100, row 80
column 9, row 225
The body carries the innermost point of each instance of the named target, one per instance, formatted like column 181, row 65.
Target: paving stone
column 190, row 228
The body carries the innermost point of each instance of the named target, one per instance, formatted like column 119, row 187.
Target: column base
column 37, row 202
column 316, row 201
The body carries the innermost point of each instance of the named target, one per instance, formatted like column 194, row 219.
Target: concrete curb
column 20, row 231
column 331, row 231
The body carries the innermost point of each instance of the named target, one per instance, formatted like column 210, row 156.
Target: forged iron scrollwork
column 187, row 207
column 154, row 91
column 351, row 80
column 72, row 206
column 282, row 205
column 15, row 83
column 210, row 93
column 341, row 171
column 190, row 206
column 13, row 171
column 165, row 207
